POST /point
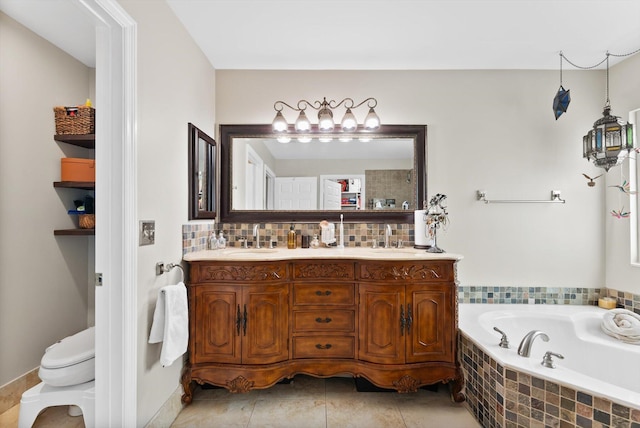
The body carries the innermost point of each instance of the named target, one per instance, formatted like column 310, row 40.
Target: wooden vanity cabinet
column 402, row 321
column 253, row 324
column 241, row 324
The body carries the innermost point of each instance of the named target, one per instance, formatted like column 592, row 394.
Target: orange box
column 75, row 169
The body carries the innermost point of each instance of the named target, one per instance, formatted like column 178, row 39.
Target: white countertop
column 267, row 254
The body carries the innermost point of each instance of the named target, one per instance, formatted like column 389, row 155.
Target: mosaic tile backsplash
column 194, row 236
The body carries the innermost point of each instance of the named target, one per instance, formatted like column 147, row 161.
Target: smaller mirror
column 202, row 173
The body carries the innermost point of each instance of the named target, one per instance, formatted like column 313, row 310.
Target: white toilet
column 67, row 371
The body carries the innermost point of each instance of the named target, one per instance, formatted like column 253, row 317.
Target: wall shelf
column 84, row 185
column 87, row 141
column 74, row 232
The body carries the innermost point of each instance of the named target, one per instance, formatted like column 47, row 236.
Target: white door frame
column 115, row 239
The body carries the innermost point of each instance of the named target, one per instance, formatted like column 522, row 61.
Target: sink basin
column 252, row 251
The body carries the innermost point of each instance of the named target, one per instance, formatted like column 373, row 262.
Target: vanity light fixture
column 325, row 115
column 605, row 144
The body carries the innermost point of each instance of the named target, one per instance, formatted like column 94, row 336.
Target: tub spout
column 524, row 349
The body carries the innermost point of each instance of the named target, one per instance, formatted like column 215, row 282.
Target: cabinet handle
column 403, row 321
column 327, row 346
column 275, row 275
column 326, row 320
column 323, row 293
column 409, row 319
column 244, row 321
column 238, row 321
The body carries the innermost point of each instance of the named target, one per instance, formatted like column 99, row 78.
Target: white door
column 269, row 187
column 331, row 195
column 296, row 193
column 254, row 178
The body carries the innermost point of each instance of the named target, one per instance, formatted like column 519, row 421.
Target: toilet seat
column 70, row 361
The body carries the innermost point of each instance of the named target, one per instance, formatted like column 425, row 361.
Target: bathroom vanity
column 258, row 316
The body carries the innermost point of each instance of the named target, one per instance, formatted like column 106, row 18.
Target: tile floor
column 305, row 402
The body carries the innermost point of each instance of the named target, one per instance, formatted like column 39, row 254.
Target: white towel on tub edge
column 171, row 323
column 622, row 324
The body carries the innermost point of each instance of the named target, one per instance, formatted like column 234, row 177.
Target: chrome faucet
column 524, row 349
column 256, row 234
column 387, row 235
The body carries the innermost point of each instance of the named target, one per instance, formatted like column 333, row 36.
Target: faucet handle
column 547, row 361
column 504, row 342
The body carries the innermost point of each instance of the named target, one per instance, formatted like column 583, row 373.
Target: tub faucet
column 524, row 349
column 387, row 235
column 256, row 234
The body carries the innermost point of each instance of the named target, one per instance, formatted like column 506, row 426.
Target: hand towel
column 171, row 323
column 622, row 324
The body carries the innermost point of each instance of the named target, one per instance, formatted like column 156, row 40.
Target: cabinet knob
column 325, row 320
column 327, row 346
column 323, row 293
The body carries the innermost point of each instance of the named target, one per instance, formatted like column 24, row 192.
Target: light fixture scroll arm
column 281, row 104
column 371, row 103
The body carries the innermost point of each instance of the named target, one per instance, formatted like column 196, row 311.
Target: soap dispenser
column 213, row 241
column 291, row 238
column 222, row 242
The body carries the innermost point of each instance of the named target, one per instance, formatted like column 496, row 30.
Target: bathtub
column 593, row 361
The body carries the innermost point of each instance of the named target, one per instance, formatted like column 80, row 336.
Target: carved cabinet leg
column 187, row 386
column 455, row 386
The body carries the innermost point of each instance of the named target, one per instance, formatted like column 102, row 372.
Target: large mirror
column 367, row 176
column 202, row 173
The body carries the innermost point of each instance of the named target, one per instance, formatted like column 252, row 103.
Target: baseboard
column 169, row 411
column 11, row 392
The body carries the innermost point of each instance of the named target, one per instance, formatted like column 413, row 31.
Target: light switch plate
column 147, row 232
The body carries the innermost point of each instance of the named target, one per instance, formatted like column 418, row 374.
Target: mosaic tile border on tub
column 522, row 295
column 500, row 397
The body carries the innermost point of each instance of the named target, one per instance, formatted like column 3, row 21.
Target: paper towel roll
column 422, row 239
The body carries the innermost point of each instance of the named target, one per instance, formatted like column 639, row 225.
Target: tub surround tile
column 530, row 401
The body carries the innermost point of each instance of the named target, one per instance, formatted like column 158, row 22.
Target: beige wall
column 487, row 130
column 44, row 284
column 176, row 85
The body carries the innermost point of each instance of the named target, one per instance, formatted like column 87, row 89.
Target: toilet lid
column 70, row 350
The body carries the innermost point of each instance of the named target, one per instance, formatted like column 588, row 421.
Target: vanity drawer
column 401, row 270
column 324, row 346
column 337, row 320
column 324, row 270
column 323, row 294
column 237, row 272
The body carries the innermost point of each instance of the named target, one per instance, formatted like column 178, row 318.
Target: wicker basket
column 87, row 221
column 80, row 120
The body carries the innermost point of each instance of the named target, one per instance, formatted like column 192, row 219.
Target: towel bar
column 162, row 268
column 555, row 199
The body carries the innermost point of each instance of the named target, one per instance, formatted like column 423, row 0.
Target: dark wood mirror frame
column 207, row 158
column 227, row 215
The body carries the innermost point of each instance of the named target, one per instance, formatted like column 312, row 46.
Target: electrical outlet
column 147, row 232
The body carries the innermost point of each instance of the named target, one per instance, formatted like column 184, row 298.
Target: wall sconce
column 325, row 115
column 605, row 144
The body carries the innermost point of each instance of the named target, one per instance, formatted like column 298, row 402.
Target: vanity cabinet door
column 216, row 338
column 265, row 324
column 431, row 333
column 380, row 310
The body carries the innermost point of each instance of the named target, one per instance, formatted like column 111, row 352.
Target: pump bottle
column 291, row 239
